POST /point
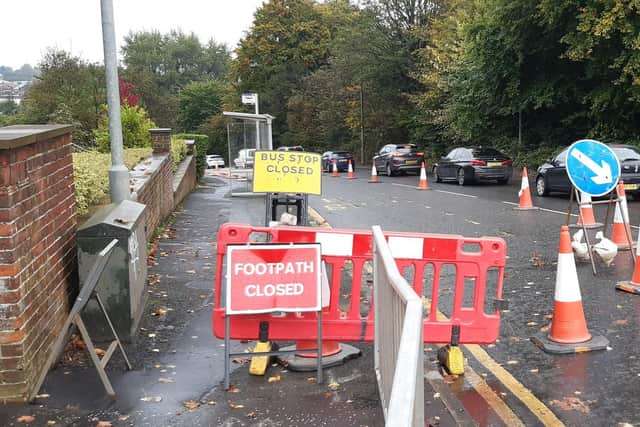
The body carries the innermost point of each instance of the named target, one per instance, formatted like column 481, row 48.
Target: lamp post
column 118, row 173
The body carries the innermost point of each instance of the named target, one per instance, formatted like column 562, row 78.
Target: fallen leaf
column 233, row 389
column 534, row 370
column 235, row 406
column 512, row 362
column 202, row 296
column 51, row 423
column 436, row 395
column 121, row 221
column 159, row 312
column 100, row 352
column 328, row 394
column 312, row 379
column 26, row 419
column 620, row 322
column 212, row 402
column 42, row 396
column 251, row 414
column 151, row 399
column 104, row 424
column 333, row 386
column 274, row 379
column 571, row 404
column 166, row 380
column 532, row 324
column 123, row 417
column 191, row 404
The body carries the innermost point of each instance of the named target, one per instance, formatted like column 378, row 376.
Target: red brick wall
column 37, row 250
column 156, row 191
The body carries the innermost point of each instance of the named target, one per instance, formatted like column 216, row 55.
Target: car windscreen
column 406, row 148
column 487, row 152
column 341, row 153
column 626, row 153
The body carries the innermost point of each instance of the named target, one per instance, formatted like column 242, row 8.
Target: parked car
column 293, row 148
column 398, row 158
column 245, row 158
column 467, row 164
column 341, row 158
column 552, row 175
column 215, row 161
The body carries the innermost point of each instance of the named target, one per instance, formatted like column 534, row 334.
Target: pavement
column 178, row 364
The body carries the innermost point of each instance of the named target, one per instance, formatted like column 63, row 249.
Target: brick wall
column 184, row 180
column 153, row 181
column 37, row 250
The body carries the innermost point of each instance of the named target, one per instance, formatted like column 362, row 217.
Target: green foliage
column 199, row 101
column 135, row 128
column 8, row 108
column 200, row 150
column 178, row 152
column 91, row 176
column 160, row 66
column 68, row 91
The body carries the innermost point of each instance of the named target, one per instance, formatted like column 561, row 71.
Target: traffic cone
column 586, row 218
column 568, row 332
column 621, row 228
column 525, row 193
column 374, row 175
column 423, row 185
column 333, row 353
column 633, row 285
column 350, row 171
column 334, row 172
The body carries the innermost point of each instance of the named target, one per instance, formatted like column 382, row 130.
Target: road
column 513, row 382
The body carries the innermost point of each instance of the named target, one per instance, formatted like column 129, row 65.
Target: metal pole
column 258, row 145
column 118, row 173
column 361, row 125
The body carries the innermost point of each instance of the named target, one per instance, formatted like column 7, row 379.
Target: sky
column 29, row 27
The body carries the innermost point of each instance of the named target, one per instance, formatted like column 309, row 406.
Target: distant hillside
column 26, row 72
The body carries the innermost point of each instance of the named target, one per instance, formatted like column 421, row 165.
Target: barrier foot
column 628, row 287
column 597, row 342
column 451, row 357
column 587, row 226
column 305, row 363
column 259, row 364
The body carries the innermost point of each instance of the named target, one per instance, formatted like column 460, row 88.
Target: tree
column 8, row 108
column 68, row 80
column 288, row 40
column 199, row 101
column 160, row 66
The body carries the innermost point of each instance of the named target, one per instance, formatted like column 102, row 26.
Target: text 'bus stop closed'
column 266, row 278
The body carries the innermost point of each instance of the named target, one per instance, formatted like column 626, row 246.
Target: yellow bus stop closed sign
column 287, row 172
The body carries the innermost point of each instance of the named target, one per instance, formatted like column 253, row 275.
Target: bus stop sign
column 593, row 168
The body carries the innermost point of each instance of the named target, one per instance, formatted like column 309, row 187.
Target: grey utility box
column 122, row 285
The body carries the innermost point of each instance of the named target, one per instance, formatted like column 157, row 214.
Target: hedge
column 200, row 150
column 178, row 152
column 91, row 175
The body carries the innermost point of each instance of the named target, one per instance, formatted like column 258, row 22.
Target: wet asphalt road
column 598, row 388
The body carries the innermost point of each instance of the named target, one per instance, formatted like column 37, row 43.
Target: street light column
column 118, row 173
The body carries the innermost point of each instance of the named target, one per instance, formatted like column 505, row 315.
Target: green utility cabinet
column 122, row 285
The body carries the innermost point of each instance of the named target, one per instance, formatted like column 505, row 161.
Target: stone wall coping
column 20, row 135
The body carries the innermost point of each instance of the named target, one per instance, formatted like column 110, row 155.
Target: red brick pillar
column 160, row 140
column 37, row 250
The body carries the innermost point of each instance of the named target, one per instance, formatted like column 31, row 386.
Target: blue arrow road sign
column 593, row 168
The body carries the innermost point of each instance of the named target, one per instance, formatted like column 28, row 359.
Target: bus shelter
column 246, row 134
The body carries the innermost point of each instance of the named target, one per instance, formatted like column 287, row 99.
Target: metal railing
column 398, row 348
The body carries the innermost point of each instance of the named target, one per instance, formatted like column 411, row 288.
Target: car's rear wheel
column 435, row 174
column 462, row 180
column 541, row 187
column 389, row 170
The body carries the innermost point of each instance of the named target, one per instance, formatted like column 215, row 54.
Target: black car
column 468, row 164
column 293, row 148
column 398, row 158
column 340, row 157
column 552, row 175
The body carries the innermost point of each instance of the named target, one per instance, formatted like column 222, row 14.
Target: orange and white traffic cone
column 621, row 232
column 334, row 172
column 568, row 332
column 333, row 353
column 423, row 185
column 633, row 285
column 374, row 175
column 350, row 171
column 525, row 193
column 586, row 218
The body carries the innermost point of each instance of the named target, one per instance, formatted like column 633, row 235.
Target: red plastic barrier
column 472, row 258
